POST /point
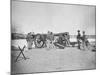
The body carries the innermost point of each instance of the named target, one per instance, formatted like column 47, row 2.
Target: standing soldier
column 50, row 38
column 78, row 39
column 67, row 38
column 30, row 40
column 84, row 40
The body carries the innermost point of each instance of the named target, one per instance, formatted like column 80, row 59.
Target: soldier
column 60, row 43
column 78, row 39
column 84, row 40
column 50, row 38
column 67, row 37
column 30, row 40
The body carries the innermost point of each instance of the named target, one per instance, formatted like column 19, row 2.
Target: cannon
column 40, row 39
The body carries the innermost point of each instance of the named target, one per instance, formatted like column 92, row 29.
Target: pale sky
column 41, row 17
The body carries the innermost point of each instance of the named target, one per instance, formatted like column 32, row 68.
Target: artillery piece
column 40, row 39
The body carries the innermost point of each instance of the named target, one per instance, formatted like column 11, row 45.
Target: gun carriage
column 40, row 39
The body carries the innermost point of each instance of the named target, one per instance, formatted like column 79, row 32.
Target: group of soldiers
column 82, row 40
column 50, row 40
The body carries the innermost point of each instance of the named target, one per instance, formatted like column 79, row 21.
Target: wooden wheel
column 38, row 41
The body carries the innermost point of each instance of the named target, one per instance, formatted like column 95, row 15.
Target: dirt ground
column 47, row 60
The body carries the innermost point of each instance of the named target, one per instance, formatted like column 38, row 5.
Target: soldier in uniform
column 84, row 40
column 78, row 39
column 49, row 39
column 30, row 40
column 60, row 43
column 67, row 38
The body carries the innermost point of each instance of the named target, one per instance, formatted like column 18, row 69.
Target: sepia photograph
column 52, row 37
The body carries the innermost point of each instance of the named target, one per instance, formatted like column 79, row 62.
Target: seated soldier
column 60, row 43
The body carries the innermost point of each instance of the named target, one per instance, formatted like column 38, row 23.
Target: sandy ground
column 47, row 60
